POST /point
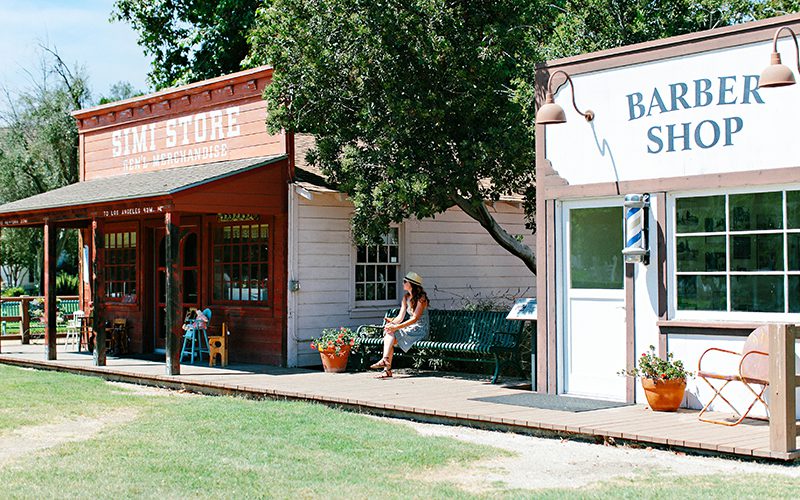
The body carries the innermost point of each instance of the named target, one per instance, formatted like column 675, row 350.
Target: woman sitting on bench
column 409, row 326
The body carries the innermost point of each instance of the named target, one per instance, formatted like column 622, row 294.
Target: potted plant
column 334, row 346
column 663, row 380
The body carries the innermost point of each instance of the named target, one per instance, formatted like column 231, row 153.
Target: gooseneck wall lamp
column 777, row 74
column 550, row 112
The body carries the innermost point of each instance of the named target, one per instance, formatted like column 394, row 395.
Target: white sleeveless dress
column 406, row 337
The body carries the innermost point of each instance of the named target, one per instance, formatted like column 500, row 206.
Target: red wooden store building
column 158, row 239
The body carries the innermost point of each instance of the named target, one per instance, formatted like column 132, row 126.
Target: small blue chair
column 196, row 338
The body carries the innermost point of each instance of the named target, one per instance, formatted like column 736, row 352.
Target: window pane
column 596, row 248
column 701, row 253
column 793, row 209
column 704, row 214
column 794, row 294
column 359, row 274
column 370, row 273
column 761, row 252
column 793, row 251
column 393, row 239
column 370, row 291
column 361, row 254
column 360, row 292
column 757, row 293
column 702, row 293
column 756, row 211
column 391, row 292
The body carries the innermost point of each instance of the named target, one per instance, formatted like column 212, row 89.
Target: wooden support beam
column 25, row 326
column 50, row 289
column 173, row 288
column 98, row 291
column 782, row 410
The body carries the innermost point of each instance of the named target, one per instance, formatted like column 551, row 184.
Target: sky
column 81, row 32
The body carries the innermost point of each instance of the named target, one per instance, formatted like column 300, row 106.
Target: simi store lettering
column 139, row 146
column 723, row 91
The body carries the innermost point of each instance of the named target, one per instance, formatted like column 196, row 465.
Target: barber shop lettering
column 189, row 133
column 705, row 134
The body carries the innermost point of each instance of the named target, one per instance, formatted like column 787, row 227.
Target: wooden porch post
column 782, row 382
column 173, row 290
column 98, row 291
column 50, row 289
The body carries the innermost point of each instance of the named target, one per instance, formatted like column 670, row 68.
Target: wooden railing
column 783, row 382
column 22, row 307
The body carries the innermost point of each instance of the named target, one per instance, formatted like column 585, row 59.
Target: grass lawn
column 178, row 446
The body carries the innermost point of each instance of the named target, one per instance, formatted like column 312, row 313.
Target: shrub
column 66, row 284
column 14, row 291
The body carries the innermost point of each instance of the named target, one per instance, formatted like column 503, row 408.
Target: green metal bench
column 485, row 336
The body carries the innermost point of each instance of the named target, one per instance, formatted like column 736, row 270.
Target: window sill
column 731, row 325
column 370, row 311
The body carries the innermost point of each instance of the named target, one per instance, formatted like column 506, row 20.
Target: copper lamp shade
column 777, row 74
column 550, row 112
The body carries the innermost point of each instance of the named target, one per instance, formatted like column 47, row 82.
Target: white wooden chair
column 74, row 330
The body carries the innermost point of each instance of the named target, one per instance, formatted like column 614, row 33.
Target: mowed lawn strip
column 222, row 447
column 29, row 397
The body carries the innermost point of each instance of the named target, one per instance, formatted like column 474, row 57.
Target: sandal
column 386, row 373
column 383, row 363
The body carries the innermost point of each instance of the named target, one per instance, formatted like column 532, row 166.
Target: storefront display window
column 241, row 263
column 738, row 252
column 120, row 266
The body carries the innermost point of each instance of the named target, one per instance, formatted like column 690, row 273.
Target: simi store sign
column 183, row 140
column 692, row 115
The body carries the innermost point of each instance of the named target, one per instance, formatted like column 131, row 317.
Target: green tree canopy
column 189, row 40
column 39, row 151
column 412, row 103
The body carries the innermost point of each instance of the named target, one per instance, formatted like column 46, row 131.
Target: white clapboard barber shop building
column 682, row 129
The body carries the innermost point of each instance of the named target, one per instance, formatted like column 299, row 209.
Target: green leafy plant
column 653, row 367
column 66, row 284
column 334, row 339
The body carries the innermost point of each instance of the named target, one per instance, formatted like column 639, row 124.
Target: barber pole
column 636, row 228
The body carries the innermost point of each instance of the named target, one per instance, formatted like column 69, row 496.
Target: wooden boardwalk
column 422, row 396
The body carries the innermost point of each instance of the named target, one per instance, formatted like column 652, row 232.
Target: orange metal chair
column 218, row 344
column 753, row 370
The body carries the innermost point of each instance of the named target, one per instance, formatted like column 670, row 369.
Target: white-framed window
column 376, row 271
column 736, row 254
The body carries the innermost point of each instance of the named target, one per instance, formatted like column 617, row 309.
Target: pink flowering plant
column 651, row 366
column 334, row 339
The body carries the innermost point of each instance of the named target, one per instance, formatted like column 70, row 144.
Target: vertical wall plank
column 50, row 289
column 98, row 291
column 551, row 304
column 172, row 222
column 782, row 425
column 630, row 331
column 661, row 261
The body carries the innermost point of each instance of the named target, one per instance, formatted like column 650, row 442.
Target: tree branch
column 479, row 212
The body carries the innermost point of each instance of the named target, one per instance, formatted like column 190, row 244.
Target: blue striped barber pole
column 636, row 250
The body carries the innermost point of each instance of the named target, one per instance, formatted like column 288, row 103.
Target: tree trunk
column 478, row 211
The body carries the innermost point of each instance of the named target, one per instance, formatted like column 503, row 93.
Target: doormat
column 553, row 402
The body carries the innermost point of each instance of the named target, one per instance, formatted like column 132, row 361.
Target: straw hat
column 413, row 277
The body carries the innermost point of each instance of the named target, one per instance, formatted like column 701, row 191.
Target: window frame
column 117, row 228
column 728, row 314
column 370, row 306
column 269, row 221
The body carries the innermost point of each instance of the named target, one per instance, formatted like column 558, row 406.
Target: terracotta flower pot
column 664, row 395
column 332, row 363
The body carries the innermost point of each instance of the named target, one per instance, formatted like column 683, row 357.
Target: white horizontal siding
column 457, row 258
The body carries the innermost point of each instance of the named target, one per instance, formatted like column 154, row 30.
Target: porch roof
column 130, row 187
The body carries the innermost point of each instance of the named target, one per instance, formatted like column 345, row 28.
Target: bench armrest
column 508, row 340
column 369, row 331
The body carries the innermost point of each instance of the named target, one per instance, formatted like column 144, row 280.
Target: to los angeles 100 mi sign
column 180, row 141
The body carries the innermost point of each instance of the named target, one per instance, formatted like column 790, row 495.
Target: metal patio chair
column 753, row 370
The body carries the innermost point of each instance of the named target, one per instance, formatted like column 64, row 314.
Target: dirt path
column 541, row 463
column 30, row 439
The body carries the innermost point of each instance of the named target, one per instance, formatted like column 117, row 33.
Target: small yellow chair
column 218, row 344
